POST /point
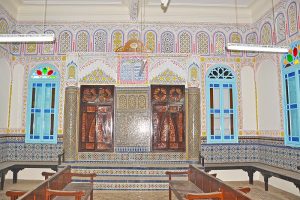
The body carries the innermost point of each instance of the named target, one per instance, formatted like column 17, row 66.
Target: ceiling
column 230, row 3
column 188, row 11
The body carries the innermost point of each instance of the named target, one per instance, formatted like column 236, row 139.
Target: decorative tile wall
column 15, row 149
column 132, row 132
column 266, row 150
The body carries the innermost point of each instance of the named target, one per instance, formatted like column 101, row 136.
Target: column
column 194, row 127
column 70, row 115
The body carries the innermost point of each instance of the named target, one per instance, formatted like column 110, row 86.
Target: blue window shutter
column 42, row 105
column 221, row 105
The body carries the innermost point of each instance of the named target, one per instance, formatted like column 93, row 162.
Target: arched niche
column 268, row 96
column 248, row 98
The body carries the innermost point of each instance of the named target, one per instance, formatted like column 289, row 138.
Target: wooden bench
column 266, row 170
column 60, row 187
column 15, row 167
column 202, row 185
column 15, row 194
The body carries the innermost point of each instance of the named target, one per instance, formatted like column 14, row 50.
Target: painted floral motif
column 292, row 18
column 251, row 39
column 168, row 77
column 97, row 76
column 236, row 38
column 133, row 35
column 151, row 41
column 266, row 34
column 117, row 40
column 280, row 28
column 44, row 72
column 48, row 47
column 219, row 43
column 3, row 26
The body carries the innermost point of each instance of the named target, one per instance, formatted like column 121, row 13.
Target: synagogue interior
column 128, row 90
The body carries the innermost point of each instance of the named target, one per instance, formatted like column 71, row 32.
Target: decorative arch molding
column 97, row 67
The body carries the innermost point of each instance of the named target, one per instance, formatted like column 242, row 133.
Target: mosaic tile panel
column 266, row 150
column 70, row 116
column 133, row 119
column 18, row 150
column 194, row 127
column 129, row 157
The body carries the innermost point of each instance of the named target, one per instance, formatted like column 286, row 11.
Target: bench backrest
column 208, row 183
column 56, row 182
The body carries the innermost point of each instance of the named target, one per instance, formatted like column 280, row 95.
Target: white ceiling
column 229, row 3
column 211, row 11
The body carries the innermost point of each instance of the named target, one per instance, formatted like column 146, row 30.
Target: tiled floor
column 257, row 192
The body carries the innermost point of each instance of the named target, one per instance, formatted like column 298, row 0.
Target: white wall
column 17, row 101
column 4, row 92
column 29, row 174
column 268, row 96
column 234, row 175
column 248, row 98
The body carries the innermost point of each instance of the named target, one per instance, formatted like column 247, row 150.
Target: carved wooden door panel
column 96, row 118
column 168, row 118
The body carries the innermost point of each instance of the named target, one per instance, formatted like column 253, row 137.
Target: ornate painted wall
column 83, row 54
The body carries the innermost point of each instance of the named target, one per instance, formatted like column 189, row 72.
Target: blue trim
column 42, row 111
column 221, row 112
column 287, row 73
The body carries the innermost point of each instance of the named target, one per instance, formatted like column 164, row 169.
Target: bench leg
column 2, row 174
column 15, row 174
column 266, row 180
column 92, row 196
column 250, row 175
column 170, row 194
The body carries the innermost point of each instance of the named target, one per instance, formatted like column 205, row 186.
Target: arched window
column 202, row 40
column 167, row 42
column 100, row 41
column 65, row 40
column 42, row 105
column 185, row 40
column 266, row 34
column 219, row 43
column 292, row 18
column 251, row 38
column 150, row 40
column 221, row 105
column 291, row 95
column 48, row 47
column 280, row 28
column 82, row 41
column 117, row 40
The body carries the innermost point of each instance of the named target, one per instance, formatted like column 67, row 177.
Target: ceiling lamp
column 256, row 47
column 164, row 3
column 7, row 38
column 4, row 38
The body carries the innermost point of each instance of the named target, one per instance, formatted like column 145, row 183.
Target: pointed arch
column 219, row 43
column 117, row 39
column 292, row 18
column 266, row 34
column 280, row 28
column 151, row 40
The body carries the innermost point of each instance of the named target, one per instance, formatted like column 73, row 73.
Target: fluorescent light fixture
column 256, row 47
column 26, row 38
